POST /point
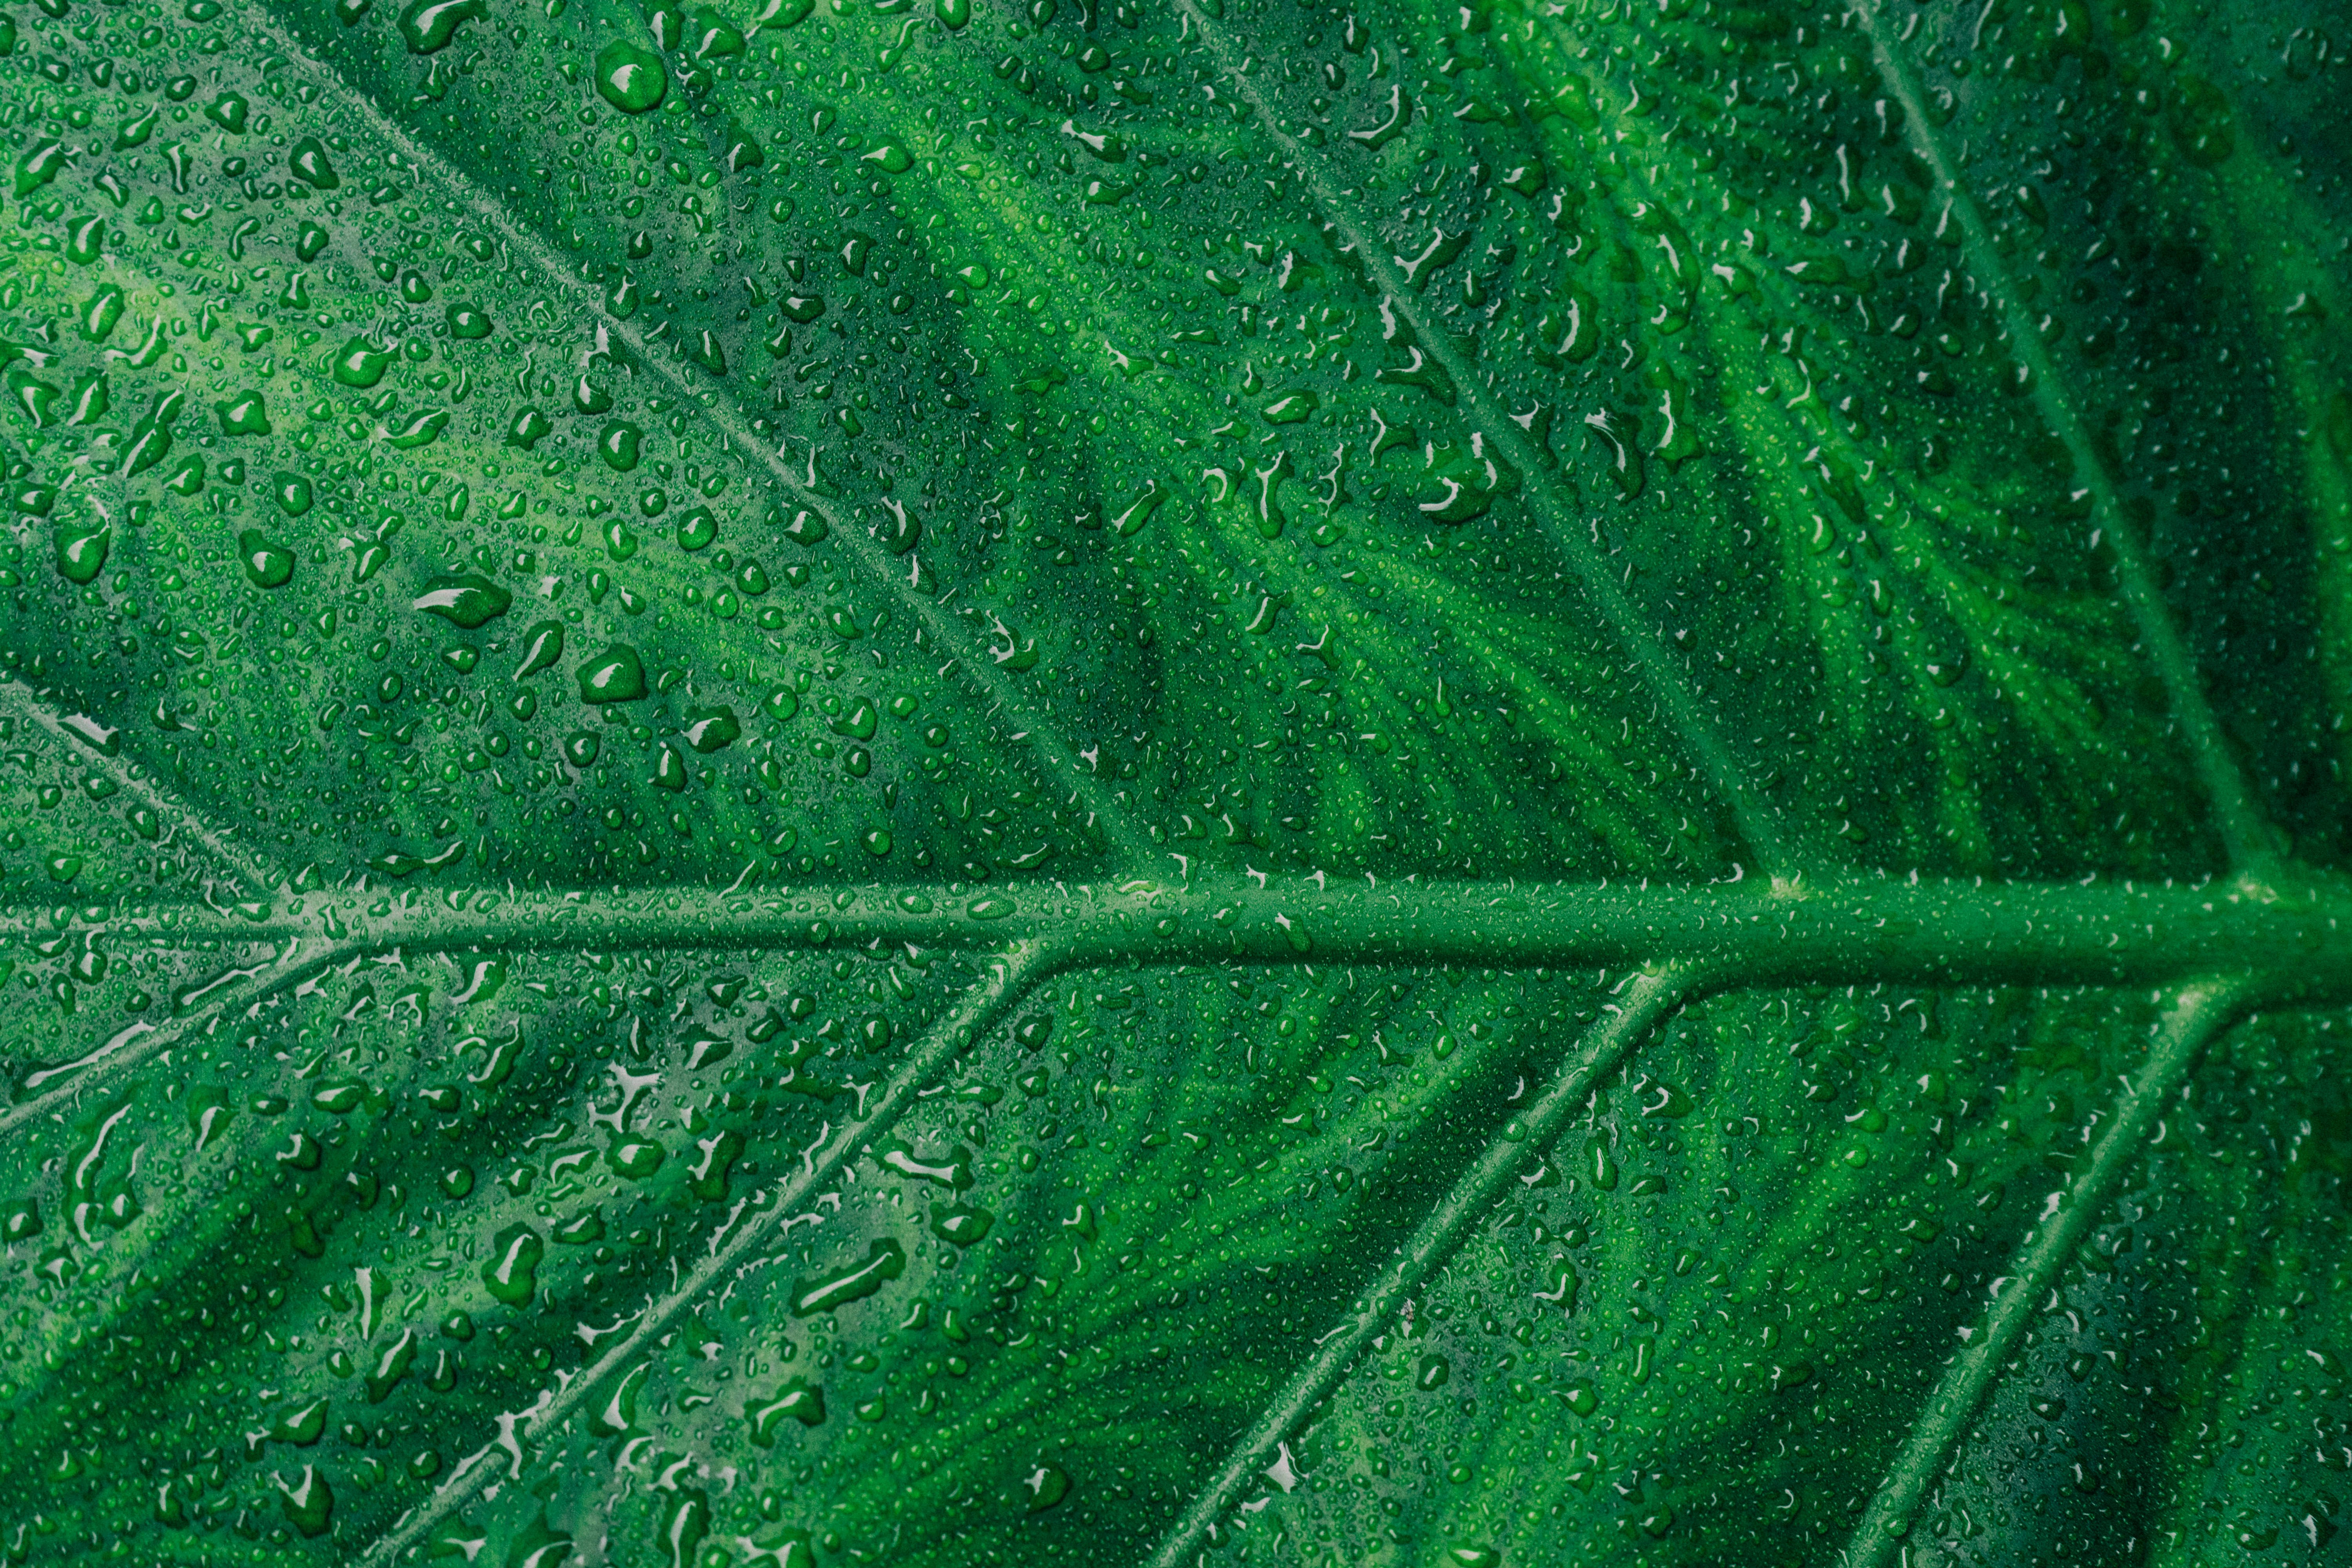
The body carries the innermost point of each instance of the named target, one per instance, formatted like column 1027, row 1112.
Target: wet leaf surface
column 1218, row 781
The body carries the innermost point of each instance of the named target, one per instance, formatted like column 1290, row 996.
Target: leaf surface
column 1172, row 783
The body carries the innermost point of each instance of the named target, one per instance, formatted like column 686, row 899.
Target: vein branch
column 23, row 703
column 54, row 1087
column 898, row 581
column 2198, row 1013
column 2246, row 835
column 1649, row 999
column 1555, row 512
column 980, row 1008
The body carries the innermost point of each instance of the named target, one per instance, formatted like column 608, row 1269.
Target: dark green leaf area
column 1746, row 363
column 1754, row 1328
column 416, row 1229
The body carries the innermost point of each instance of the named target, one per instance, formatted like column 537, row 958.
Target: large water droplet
column 426, row 27
column 511, row 1272
column 617, row 675
column 467, row 601
column 266, row 565
column 630, row 78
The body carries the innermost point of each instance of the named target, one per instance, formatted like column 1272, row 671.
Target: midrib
column 1928, row 932
column 1939, row 933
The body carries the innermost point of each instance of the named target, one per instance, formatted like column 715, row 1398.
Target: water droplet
column 617, row 675
column 709, row 730
column 467, row 601
column 81, row 553
column 511, row 1272
column 630, row 78
column 310, row 1502
column 302, row 1425
column 426, row 27
column 308, row 160
column 635, row 1158
column 1046, row 1484
column 797, row 1400
column 961, row 1224
column 542, row 647
column 620, row 1412
column 617, row 444
column 851, row 1282
column 683, row 1527
column 268, row 565
column 361, row 363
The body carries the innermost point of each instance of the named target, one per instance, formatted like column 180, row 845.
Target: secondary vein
column 1754, row 820
column 2246, row 834
column 868, row 555
column 1008, row 980
column 1649, row 999
column 250, row 872
column 2199, row 1013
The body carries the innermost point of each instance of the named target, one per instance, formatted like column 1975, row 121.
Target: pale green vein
column 1008, row 978
column 885, row 570
column 20, row 701
column 2197, row 1014
column 1555, row 512
column 1648, row 1000
column 58, row 1084
column 1935, row 933
column 1939, row 933
column 2247, row 837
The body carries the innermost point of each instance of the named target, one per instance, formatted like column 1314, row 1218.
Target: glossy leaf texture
column 1183, row 783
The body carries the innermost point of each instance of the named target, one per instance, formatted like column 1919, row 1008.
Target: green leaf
column 1175, row 782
